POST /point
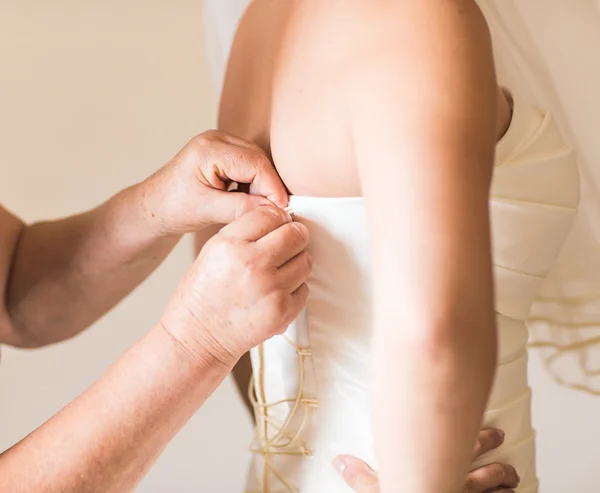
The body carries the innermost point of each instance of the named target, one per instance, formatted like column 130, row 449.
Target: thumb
column 358, row 475
column 226, row 207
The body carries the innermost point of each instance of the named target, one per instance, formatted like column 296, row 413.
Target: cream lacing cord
column 282, row 442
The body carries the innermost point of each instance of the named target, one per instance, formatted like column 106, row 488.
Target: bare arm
column 106, row 440
column 11, row 228
column 65, row 274
column 58, row 277
column 425, row 127
column 242, row 371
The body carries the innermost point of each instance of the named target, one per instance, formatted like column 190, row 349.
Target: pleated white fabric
column 551, row 48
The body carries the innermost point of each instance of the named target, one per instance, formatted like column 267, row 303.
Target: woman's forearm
column 106, row 439
column 69, row 272
column 242, row 372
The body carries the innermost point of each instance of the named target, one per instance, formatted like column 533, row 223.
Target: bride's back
column 286, row 89
column 281, row 92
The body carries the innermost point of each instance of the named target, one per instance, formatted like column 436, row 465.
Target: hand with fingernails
column 247, row 284
column 190, row 192
column 495, row 477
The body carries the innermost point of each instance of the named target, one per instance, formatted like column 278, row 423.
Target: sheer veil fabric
column 557, row 48
column 549, row 52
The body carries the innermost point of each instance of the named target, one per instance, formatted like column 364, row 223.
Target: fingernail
column 273, row 209
column 501, row 434
column 287, row 214
column 340, row 465
column 241, row 209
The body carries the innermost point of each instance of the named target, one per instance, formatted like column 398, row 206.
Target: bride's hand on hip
column 499, row 478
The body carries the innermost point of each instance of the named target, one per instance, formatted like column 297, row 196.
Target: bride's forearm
column 430, row 394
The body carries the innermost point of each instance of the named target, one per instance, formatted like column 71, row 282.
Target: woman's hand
column 190, row 192
column 66, row 273
column 500, row 478
column 247, row 285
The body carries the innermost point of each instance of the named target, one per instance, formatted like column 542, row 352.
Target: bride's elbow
column 440, row 339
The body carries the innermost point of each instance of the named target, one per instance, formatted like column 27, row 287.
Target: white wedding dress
column 312, row 384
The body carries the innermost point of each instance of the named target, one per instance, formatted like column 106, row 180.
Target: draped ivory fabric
column 557, row 47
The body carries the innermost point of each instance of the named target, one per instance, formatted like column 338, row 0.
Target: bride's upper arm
column 423, row 120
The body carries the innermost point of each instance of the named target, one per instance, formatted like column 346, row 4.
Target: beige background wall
column 97, row 95
column 93, row 97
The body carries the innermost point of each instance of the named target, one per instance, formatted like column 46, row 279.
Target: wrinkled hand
column 190, row 192
column 247, row 285
column 500, row 478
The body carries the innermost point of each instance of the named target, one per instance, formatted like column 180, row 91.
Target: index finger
column 256, row 223
column 252, row 166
